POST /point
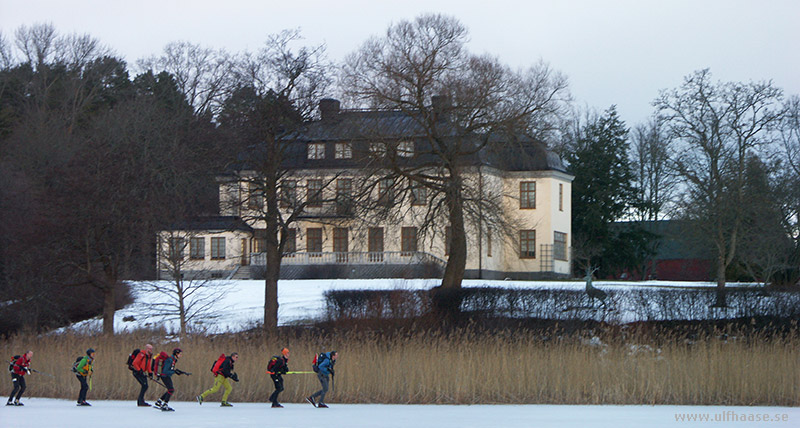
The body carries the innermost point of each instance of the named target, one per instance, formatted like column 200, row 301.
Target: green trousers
column 219, row 381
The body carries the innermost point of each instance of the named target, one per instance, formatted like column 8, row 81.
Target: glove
column 151, row 376
column 27, row 370
column 331, row 371
column 235, row 377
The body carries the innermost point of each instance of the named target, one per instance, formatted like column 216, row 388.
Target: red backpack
column 215, row 367
column 158, row 363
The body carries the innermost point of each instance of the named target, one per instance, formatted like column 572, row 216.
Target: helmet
column 177, row 351
column 89, row 351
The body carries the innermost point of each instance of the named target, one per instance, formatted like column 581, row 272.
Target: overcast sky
column 613, row 51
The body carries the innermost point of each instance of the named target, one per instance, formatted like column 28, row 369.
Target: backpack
column 215, row 367
column 271, row 364
column 318, row 359
column 131, row 358
column 13, row 362
column 75, row 364
column 158, row 363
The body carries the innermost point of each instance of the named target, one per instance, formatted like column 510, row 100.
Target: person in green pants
column 222, row 372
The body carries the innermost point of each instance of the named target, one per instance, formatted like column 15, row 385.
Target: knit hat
column 89, row 351
column 177, row 351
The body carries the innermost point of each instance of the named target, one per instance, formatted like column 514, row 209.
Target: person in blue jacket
column 325, row 368
column 167, row 369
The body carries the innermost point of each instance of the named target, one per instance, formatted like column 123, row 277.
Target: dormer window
column 405, row 149
column 344, row 151
column 316, row 150
column 377, row 149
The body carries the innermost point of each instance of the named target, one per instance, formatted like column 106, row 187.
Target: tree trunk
column 721, row 301
column 109, row 308
column 273, row 256
column 447, row 297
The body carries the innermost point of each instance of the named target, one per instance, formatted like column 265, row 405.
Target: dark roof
column 677, row 240
column 212, row 223
column 359, row 127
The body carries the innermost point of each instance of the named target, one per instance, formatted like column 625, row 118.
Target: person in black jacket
column 226, row 371
column 277, row 367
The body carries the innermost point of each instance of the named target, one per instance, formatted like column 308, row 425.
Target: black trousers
column 167, row 381
column 142, row 379
column 19, row 386
column 278, row 381
column 84, row 388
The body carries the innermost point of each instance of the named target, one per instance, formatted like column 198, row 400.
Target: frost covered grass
column 462, row 366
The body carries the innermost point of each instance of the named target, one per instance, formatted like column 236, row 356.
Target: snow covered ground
column 42, row 412
column 302, row 300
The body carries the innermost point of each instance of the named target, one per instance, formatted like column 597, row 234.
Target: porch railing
column 352, row 258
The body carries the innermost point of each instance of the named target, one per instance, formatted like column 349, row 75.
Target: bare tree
column 717, row 127
column 279, row 87
column 203, row 75
column 654, row 181
column 187, row 293
column 462, row 103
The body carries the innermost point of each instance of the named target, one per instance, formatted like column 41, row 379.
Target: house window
column 344, row 194
column 375, row 244
column 343, row 151
column 314, row 193
column 176, row 247
column 255, row 198
column 316, row 150
column 419, row 195
column 290, row 242
column 561, row 197
column 489, row 243
column 447, row 236
column 377, row 149
column 385, row 196
column 408, row 241
column 405, row 149
column 527, row 244
column 314, row 241
column 217, row 248
column 288, row 193
column 527, row 194
column 197, row 248
column 559, row 246
column 340, row 244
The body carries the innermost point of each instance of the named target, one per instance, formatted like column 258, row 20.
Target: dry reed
column 461, row 367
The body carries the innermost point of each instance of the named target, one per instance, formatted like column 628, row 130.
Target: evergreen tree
column 601, row 192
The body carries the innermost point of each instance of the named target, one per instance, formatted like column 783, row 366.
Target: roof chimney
column 440, row 104
column 328, row 108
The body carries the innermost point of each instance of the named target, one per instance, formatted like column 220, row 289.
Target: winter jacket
column 21, row 365
column 85, row 366
column 326, row 366
column 226, row 368
column 169, row 366
column 142, row 362
column 281, row 365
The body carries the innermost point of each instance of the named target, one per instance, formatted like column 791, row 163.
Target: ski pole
column 44, row 373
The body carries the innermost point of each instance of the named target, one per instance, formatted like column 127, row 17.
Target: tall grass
column 463, row 366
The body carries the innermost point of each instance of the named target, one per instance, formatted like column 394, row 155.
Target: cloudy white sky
column 613, row 51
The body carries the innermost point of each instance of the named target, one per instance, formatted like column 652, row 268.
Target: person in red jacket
column 20, row 368
column 141, row 370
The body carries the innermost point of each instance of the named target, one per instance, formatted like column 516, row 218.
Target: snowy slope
column 302, row 300
column 40, row 412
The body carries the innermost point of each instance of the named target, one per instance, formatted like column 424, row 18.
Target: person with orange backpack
column 223, row 370
column 277, row 367
column 142, row 369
